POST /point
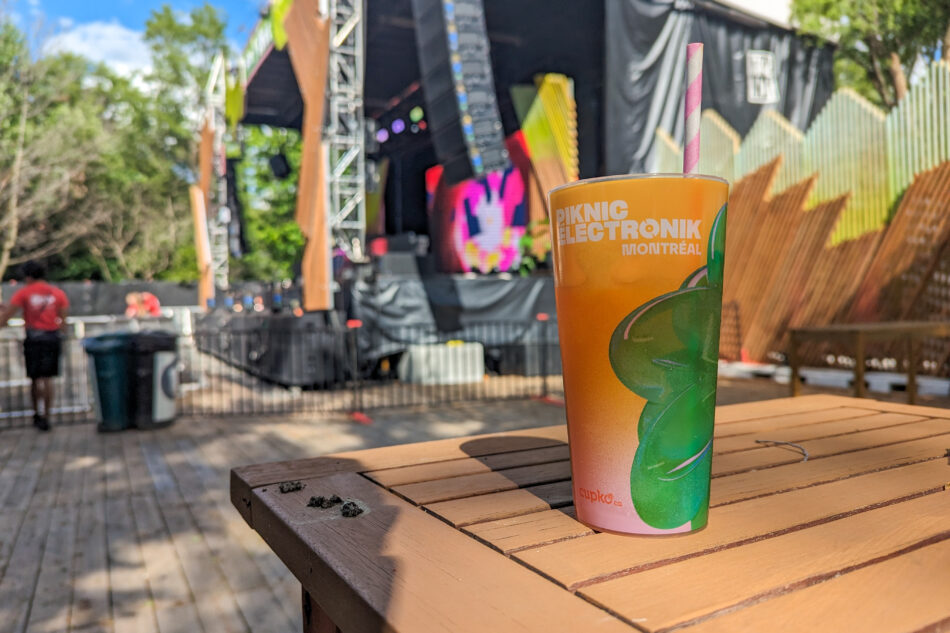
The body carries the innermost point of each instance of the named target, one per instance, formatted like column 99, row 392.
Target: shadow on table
column 539, row 466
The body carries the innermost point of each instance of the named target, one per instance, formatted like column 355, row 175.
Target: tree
column 143, row 181
column 879, row 41
column 50, row 136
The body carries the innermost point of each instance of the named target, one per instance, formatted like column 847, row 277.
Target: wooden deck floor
column 135, row 531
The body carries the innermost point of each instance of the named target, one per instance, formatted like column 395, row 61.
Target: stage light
column 398, row 126
column 423, row 125
column 416, row 114
column 382, row 135
column 414, row 128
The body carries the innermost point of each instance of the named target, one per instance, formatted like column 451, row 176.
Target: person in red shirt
column 44, row 310
column 142, row 304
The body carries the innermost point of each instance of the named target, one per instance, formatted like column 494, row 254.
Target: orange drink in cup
column 638, row 267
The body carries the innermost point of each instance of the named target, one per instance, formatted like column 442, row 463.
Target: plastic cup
column 638, row 268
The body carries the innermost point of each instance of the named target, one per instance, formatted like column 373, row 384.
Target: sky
column 111, row 30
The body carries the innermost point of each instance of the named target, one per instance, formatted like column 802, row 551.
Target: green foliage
column 274, row 240
column 105, row 161
column 879, row 41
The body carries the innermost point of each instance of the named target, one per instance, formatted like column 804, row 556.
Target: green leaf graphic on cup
column 666, row 352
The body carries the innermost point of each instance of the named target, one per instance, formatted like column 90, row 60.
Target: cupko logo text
column 608, row 220
column 597, row 496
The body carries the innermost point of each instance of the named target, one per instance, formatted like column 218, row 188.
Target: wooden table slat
column 458, row 467
column 500, row 505
column 482, row 483
column 819, row 448
column 799, row 475
column 906, row 593
column 530, row 530
column 680, row 592
column 813, row 431
column 809, row 418
column 583, row 560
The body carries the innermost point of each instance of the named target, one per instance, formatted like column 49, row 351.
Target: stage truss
column 220, row 215
column 344, row 136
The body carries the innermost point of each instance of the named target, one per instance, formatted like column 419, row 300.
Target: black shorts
column 41, row 351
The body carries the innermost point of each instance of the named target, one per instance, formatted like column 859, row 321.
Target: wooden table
column 477, row 534
column 857, row 335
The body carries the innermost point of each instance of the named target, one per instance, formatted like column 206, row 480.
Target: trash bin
column 108, row 357
column 153, row 361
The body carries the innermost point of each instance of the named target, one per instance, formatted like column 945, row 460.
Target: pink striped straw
column 694, row 98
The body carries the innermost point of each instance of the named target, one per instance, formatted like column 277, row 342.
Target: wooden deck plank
column 174, row 604
column 422, row 576
column 49, row 612
column 25, row 480
column 17, row 588
column 458, row 467
column 22, row 442
column 19, row 581
column 592, row 558
column 118, row 482
column 918, row 582
column 214, row 601
column 724, row 445
column 129, row 596
column 219, row 453
column 228, row 569
column 673, row 594
column 263, row 612
column 89, row 609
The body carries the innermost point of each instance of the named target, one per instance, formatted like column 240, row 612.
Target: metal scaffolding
column 219, row 215
column 344, row 135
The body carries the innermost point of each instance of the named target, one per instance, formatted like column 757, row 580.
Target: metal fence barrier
column 316, row 369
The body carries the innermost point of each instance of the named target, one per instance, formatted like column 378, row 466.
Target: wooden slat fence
column 669, row 157
column 933, row 304
column 786, row 289
column 771, row 136
column 769, row 245
column 720, row 144
column 747, row 199
column 908, row 254
column 853, row 146
column 918, row 129
column 846, row 146
column 835, row 277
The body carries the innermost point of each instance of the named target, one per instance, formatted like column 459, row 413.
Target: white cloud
column 109, row 42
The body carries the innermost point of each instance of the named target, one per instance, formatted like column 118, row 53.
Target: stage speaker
column 462, row 110
column 279, row 166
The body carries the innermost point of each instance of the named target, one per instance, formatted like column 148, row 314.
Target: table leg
column 859, row 365
column 911, row 370
column 793, row 364
column 315, row 619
